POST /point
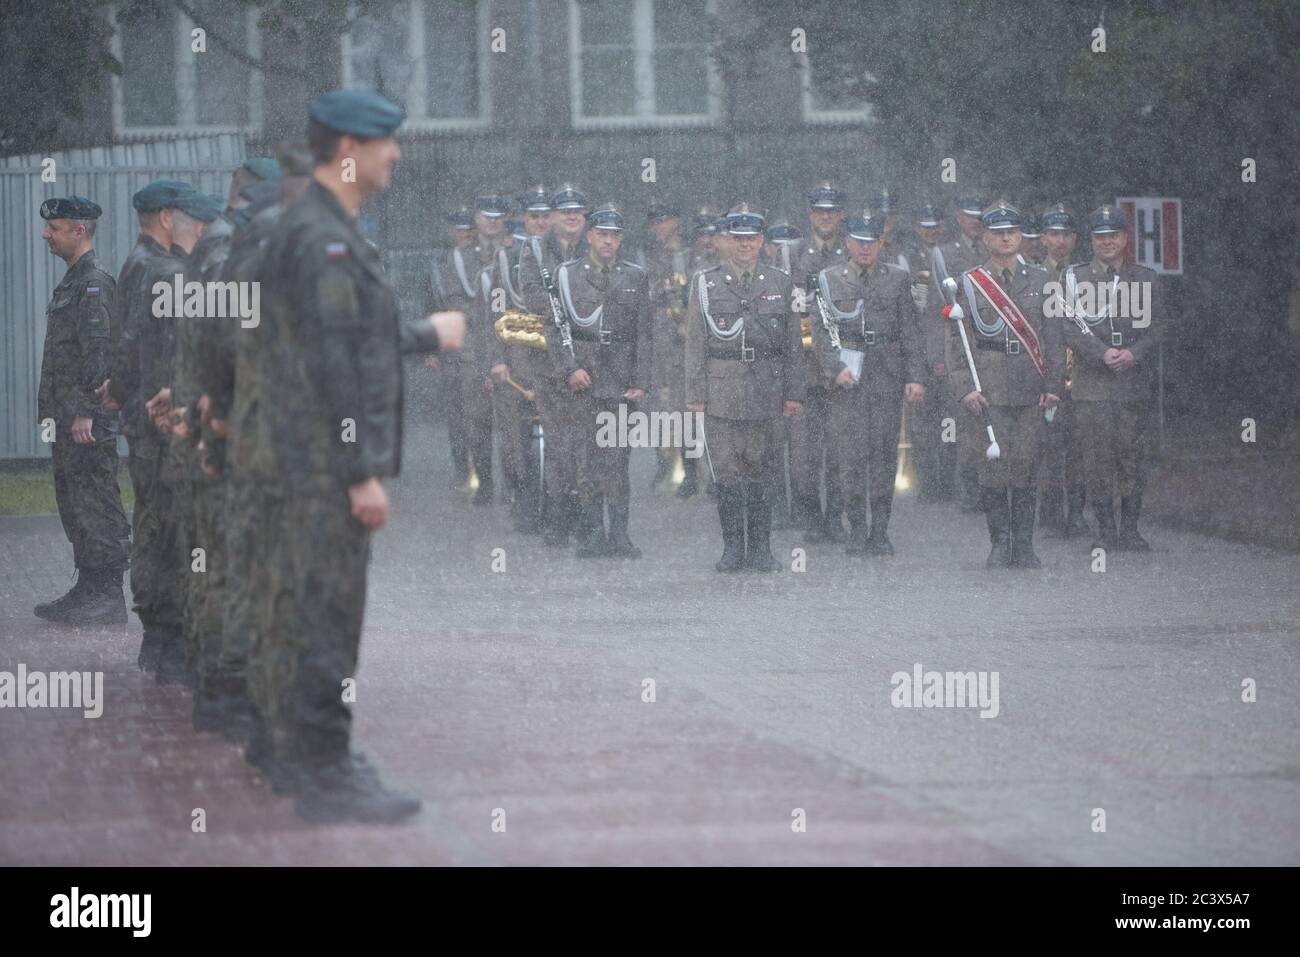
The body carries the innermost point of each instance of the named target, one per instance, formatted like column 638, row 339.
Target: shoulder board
column 631, row 265
column 895, row 267
column 777, row 269
column 714, row 268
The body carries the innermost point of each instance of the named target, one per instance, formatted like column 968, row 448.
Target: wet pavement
column 519, row 696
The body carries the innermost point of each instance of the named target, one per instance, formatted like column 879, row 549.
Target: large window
column 429, row 56
column 641, row 62
column 832, row 93
column 175, row 81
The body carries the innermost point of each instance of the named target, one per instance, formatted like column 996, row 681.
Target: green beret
column 160, row 194
column 356, row 113
column 201, row 206
column 263, row 167
column 70, row 207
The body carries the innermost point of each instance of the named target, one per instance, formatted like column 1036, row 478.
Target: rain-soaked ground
column 519, row 697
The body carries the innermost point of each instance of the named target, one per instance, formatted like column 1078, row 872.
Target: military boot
column 348, row 789
column 150, row 645
column 557, row 520
column 172, row 668
column 878, row 542
column 102, row 602
column 1104, row 509
column 1075, row 523
column 592, row 542
column 529, row 519
column 999, row 519
column 1130, row 509
column 969, row 484
column 50, row 610
column 620, row 546
column 857, row 512
column 758, row 529
column 1052, row 509
column 690, row 481
column 833, row 522
column 815, row 527
column 1024, row 505
column 731, row 514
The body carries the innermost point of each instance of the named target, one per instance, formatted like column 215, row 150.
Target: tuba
column 521, row 329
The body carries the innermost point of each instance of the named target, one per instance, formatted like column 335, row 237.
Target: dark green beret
column 160, row 194
column 356, row 113
column 70, row 207
column 202, row 206
column 263, row 167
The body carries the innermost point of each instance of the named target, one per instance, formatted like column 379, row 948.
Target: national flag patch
column 336, row 250
column 92, row 290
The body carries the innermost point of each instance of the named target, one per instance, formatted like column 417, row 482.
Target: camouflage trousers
column 253, row 517
column 1019, row 431
column 157, row 562
column 865, row 428
column 205, row 594
column 316, row 599
column 90, row 504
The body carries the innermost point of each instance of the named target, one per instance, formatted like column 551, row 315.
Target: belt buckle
column 606, row 337
column 1013, row 347
column 746, row 353
column 1117, row 339
column 869, row 337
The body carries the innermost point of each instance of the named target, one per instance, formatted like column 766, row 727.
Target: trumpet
column 521, row 328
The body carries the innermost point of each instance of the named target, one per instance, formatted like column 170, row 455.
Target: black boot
column 172, row 669
column 664, row 470
column 758, row 528
column 528, row 520
column 101, row 603
column 999, row 518
column 815, row 529
column 731, row 515
column 690, row 480
column 349, row 789
column 591, row 527
column 1024, row 506
column 1104, row 509
column 878, row 541
column 780, row 507
column 1075, row 523
column 971, row 493
column 150, row 645
column 833, row 521
column 557, row 520
column 857, row 512
column 1130, row 509
column 620, row 546
column 51, row 610
column 1052, row 509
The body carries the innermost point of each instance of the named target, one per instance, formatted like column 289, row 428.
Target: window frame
column 643, row 73
column 814, row 115
column 184, row 81
column 416, row 92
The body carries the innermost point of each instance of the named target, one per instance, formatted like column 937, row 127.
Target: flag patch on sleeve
column 336, row 250
column 92, row 290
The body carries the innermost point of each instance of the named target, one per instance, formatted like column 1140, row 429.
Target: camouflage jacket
column 131, row 319
column 78, row 348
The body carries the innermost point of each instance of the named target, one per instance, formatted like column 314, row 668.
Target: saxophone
column 520, row 329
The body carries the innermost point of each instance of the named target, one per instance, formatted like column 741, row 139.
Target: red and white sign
column 1155, row 232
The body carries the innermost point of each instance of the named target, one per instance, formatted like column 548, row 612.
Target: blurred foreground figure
column 333, row 383
column 75, row 361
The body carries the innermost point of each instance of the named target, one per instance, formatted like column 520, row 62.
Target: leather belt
column 1010, row 346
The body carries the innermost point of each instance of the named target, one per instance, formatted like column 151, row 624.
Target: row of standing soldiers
column 745, row 327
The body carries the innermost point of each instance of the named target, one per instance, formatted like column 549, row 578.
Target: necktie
column 1006, row 277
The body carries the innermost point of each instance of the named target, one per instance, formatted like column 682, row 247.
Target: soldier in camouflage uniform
column 75, row 361
column 155, row 559
column 743, row 359
column 333, row 390
column 1019, row 354
column 869, row 310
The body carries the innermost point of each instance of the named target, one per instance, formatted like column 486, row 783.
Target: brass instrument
column 673, row 290
column 521, row 329
column 805, row 330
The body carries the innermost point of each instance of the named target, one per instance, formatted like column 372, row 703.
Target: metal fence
column 109, row 175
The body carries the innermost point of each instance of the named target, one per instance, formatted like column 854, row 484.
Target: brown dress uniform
column 1112, row 409
column 874, row 314
column 744, row 360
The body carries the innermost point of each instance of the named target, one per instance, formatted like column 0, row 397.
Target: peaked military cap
column 1107, row 219
column 1029, row 227
column 461, row 218
column 492, row 204
column 970, row 205
column 536, row 200
column 882, row 202
column 743, row 221
column 70, row 207
column 826, row 196
column 660, row 211
column 1058, row 218
column 1001, row 215
column 201, row 206
column 356, row 113
column 606, row 218
column 568, row 197
column 705, row 221
column 783, row 232
column 263, row 167
column 929, row 215
column 160, row 194
column 866, row 226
